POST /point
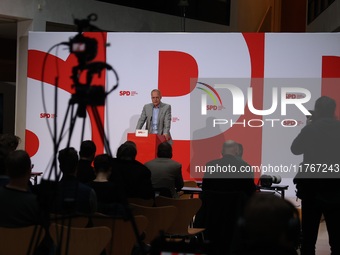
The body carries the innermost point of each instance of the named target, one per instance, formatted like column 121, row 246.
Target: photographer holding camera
column 318, row 179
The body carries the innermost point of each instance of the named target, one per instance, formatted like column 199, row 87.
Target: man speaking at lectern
column 157, row 116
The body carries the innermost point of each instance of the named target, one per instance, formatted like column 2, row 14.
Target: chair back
column 20, row 241
column 187, row 209
column 123, row 235
column 160, row 219
column 140, row 201
column 221, row 211
column 75, row 241
column 192, row 184
column 78, row 221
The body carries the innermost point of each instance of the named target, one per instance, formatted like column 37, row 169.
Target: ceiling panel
column 214, row 11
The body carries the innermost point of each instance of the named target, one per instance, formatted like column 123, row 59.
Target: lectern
column 146, row 146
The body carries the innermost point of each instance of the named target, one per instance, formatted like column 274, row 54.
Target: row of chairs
column 72, row 236
column 171, row 216
column 20, row 241
column 116, row 236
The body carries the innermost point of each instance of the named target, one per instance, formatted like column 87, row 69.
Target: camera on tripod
column 268, row 180
column 85, row 49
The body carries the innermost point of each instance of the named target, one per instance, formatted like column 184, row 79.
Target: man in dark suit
column 129, row 175
column 318, row 181
column 234, row 180
column 156, row 115
column 165, row 172
column 226, row 188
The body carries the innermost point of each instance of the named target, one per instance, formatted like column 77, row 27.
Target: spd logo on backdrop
column 127, row 93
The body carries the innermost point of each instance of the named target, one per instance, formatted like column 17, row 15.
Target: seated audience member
column 72, row 195
column 233, row 188
column 270, row 225
column 87, row 152
column 229, row 181
column 165, row 172
column 131, row 176
column 19, row 207
column 8, row 143
column 108, row 195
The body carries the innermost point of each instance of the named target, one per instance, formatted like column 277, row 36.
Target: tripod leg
column 54, row 166
column 82, row 131
column 73, row 119
column 100, row 127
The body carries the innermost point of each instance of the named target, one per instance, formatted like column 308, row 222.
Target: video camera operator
column 318, row 179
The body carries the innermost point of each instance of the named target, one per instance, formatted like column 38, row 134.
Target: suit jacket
column 132, row 178
column 166, row 173
column 229, row 181
column 164, row 118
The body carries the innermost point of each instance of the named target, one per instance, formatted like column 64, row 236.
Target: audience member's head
column 127, row 151
column 18, row 165
column 68, row 161
column 102, row 163
column 229, row 148
column 87, row 150
column 131, row 143
column 270, row 221
column 10, row 141
column 164, row 150
column 324, row 108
